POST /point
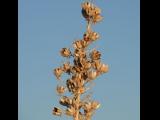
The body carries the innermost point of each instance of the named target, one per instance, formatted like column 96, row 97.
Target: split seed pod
column 97, row 18
column 60, row 89
column 92, row 75
column 95, row 55
column 57, row 111
column 70, row 111
column 94, row 36
column 77, row 44
column 58, row 72
column 95, row 105
column 65, row 52
column 65, row 101
column 104, row 68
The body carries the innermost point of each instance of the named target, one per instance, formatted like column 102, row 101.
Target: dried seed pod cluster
column 86, row 67
column 91, row 12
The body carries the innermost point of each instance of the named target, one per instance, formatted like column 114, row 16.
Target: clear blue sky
column 45, row 26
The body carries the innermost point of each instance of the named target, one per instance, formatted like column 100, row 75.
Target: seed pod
column 65, row 101
column 65, row 52
column 86, row 5
column 70, row 111
column 94, row 36
column 58, row 72
column 95, row 55
column 81, row 90
column 96, row 11
column 97, row 18
column 60, row 89
column 77, row 44
column 87, row 65
column 92, row 75
column 95, row 105
column 57, row 111
column 104, row 68
column 87, row 106
column 86, row 37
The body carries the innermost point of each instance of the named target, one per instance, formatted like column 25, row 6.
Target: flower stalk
column 84, row 69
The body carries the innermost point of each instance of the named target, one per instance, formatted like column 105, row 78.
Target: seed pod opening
column 57, row 111
column 65, row 52
column 58, row 72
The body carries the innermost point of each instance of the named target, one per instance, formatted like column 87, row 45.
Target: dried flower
column 60, row 89
column 58, row 72
column 57, row 111
column 65, row 52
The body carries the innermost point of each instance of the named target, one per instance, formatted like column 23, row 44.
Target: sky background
column 46, row 26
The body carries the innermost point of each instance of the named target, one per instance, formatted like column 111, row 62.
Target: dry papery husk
column 58, row 72
column 57, row 111
column 65, row 52
column 60, row 89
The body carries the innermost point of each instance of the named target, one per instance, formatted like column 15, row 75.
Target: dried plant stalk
column 85, row 68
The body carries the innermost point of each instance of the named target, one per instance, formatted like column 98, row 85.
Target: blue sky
column 46, row 26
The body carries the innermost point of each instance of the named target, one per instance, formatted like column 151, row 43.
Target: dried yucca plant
column 84, row 69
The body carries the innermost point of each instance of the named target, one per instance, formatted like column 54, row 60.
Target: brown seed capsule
column 87, row 106
column 81, row 90
column 87, row 65
column 65, row 52
column 95, row 55
column 95, row 105
column 60, row 89
column 104, row 68
column 92, row 75
column 58, row 72
column 77, row 44
column 86, row 5
column 97, row 18
column 70, row 111
column 65, row 101
column 86, row 37
column 94, row 36
column 57, row 111
column 96, row 11
column 67, row 67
